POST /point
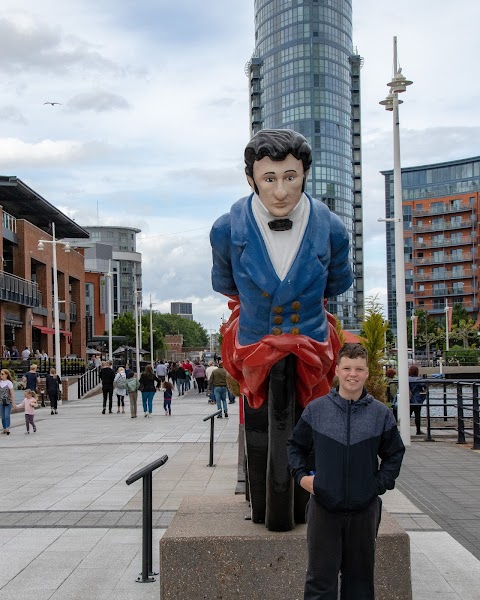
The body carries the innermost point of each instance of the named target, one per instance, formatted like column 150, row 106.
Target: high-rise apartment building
column 182, row 309
column 441, row 213
column 304, row 75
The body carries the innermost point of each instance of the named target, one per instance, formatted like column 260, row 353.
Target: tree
column 194, row 334
column 428, row 332
column 374, row 328
column 125, row 325
column 464, row 328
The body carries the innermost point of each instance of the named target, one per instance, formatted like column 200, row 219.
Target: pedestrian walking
column 132, row 389
column 30, row 379
column 349, row 431
column 208, row 373
column 120, row 387
column 167, row 397
column 29, row 404
column 418, row 393
column 54, row 386
column 161, row 372
column 7, row 399
column 199, row 374
column 107, row 375
column 147, row 387
column 180, row 379
column 218, row 381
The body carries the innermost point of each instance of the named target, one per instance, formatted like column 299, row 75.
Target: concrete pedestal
column 211, row 552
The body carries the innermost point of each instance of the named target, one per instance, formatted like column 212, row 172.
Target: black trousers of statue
column 274, row 499
column 107, row 393
column 341, row 542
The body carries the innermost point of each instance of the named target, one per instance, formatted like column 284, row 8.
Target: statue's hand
column 306, row 483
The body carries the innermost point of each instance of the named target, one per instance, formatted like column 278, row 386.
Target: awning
column 45, row 330
column 51, row 331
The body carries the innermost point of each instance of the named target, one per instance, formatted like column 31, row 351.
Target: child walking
column 167, row 397
column 29, row 403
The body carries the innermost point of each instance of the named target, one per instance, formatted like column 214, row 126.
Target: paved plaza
column 70, row 528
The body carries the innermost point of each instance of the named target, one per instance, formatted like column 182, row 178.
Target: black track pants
column 345, row 543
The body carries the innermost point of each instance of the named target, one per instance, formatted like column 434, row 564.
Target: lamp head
column 67, row 247
column 41, row 245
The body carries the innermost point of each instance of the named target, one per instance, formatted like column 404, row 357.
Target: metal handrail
column 146, row 576
column 212, row 427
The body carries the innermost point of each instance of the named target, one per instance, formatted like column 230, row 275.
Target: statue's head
column 277, row 162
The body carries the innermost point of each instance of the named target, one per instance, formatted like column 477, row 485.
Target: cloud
column 12, row 114
column 100, row 101
column 27, row 45
column 19, row 154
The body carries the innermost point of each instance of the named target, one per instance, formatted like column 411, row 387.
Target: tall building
column 441, row 213
column 304, row 75
column 115, row 246
column 182, row 309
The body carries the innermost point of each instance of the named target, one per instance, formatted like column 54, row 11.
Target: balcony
column 466, row 290
column 447, row 209
column 464, row 240
column 19, row 291
column 437, row 309
column 9, row 222
column 431, row 260
column 443, row 226
column 463, row 274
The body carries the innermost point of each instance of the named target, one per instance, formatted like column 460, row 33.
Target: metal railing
column 88, row 381
column 18, row 290
column 146, row 576
column 70, row 366
column 9, row 222
column 452, row 405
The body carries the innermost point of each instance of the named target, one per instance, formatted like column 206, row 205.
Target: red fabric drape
column 251, row 364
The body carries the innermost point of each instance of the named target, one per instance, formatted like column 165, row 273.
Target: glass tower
column 304, row 75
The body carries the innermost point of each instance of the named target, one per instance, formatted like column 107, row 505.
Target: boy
column 348, row 430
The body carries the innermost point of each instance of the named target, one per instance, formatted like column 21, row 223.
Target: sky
column 154, row 117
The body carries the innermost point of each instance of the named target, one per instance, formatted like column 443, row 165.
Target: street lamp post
column 151, row 332
column 447, row 323
column 399, row 84
column 137, row 348
column 56, row 302
column 110, row 309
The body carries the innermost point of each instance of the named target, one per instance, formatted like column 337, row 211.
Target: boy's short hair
column 352, row 351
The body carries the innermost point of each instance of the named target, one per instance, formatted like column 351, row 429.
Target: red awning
column 46, row 330
column 51, row 331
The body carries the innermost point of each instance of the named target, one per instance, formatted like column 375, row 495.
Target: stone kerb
column 211, row 551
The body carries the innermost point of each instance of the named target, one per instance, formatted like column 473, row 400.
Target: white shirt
column 282, row 246
column 161, row 370
column 25, row 354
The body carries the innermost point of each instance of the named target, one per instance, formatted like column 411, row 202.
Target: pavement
column 70, row 528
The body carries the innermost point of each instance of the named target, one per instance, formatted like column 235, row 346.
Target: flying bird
column 53, row 103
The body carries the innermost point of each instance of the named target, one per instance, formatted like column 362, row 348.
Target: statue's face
column 279, row 183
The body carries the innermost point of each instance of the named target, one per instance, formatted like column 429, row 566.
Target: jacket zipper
column 347, row 491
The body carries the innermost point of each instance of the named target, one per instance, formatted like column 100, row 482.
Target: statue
column 278, row 254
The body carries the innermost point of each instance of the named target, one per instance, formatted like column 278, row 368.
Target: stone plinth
column 211, row 552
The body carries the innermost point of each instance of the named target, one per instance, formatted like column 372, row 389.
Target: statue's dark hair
column 277, row 144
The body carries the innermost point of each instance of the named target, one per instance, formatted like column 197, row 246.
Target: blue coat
column 241, row 266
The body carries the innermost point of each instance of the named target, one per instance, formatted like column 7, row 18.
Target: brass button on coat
column 277, row 331
column 277, row 320
column 265, row 294
column 294, row 330
column 295, row 318
column 296, row 305
column 278, row 310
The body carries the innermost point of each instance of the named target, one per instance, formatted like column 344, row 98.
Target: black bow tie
column 280, row 225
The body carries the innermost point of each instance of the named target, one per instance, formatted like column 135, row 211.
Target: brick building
column 441, row 214
column 26, row 275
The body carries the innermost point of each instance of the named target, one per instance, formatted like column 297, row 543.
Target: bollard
column 212, row 426
column 146, row 473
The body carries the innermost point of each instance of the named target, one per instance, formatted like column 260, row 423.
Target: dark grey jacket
column 348, row 438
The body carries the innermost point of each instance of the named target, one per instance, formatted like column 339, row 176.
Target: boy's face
column 352, row 374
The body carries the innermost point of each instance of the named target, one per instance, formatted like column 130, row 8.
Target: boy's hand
column 306, row 483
